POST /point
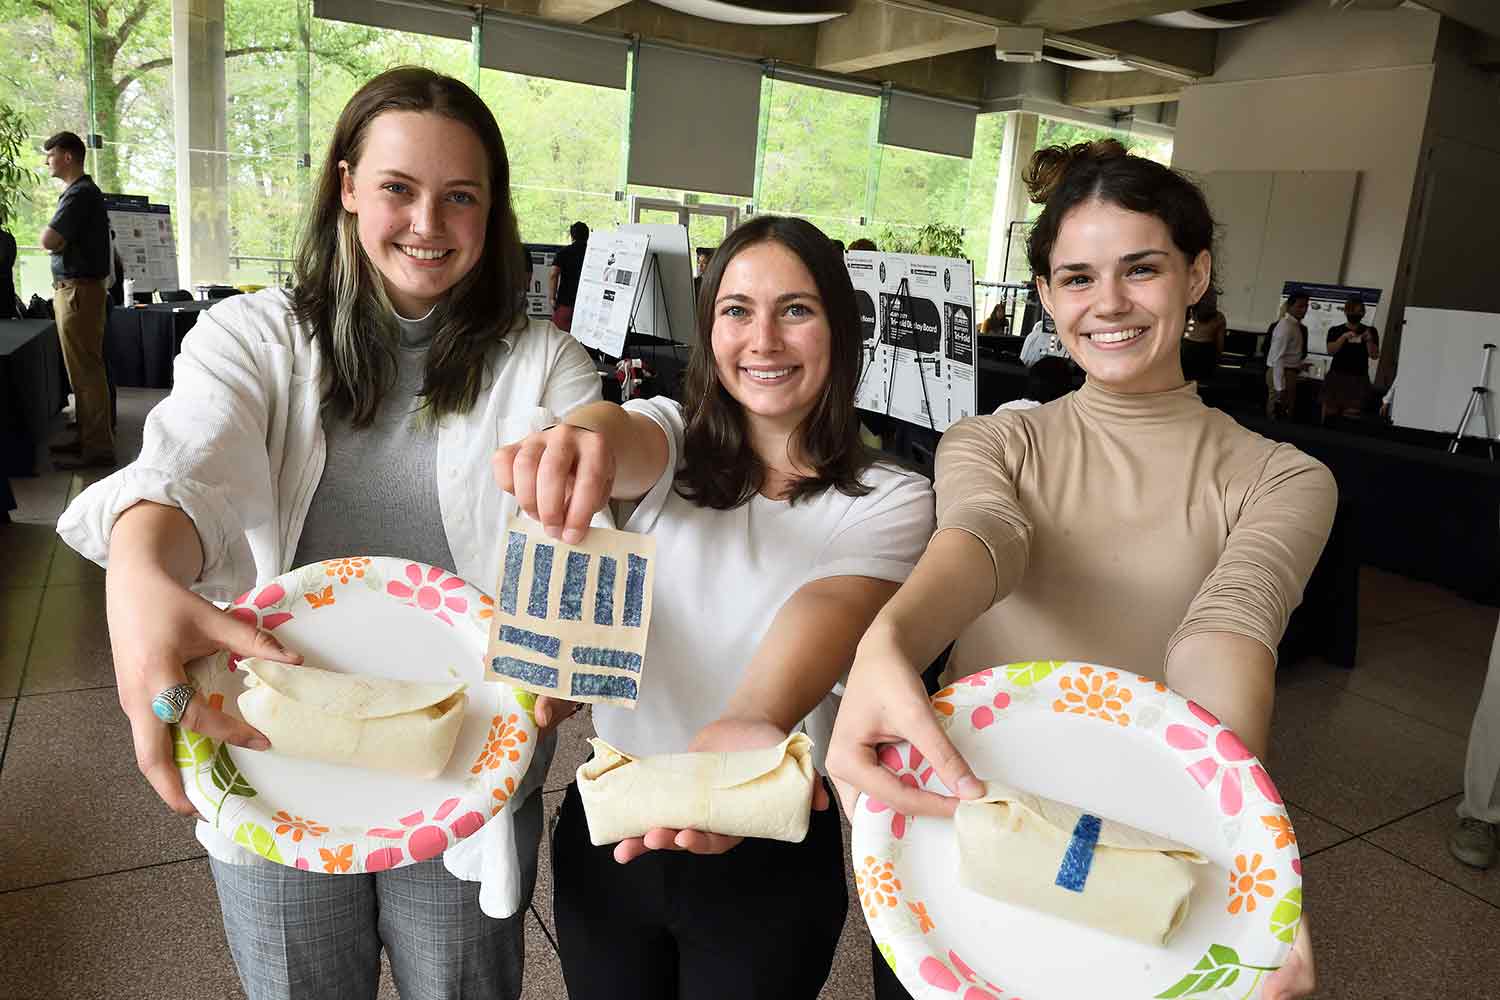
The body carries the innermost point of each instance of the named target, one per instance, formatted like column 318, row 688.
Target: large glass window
column 817, row 159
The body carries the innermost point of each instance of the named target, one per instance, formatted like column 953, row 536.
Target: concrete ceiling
column 947, row 47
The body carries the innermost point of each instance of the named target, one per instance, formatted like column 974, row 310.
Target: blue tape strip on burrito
column 1079, row 858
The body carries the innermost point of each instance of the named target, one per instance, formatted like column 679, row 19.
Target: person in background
column 863, row 244
column 355, row 414
column 1126, row 523
column 1473, row 841
column 78, row 239
column 1352, row 344
column 995, row 323
column 785, row 536
column 1048, row 379
column 1042, row 342
column 1284, row 358
column 1203, row 342
column 567, row 266
column 839, row 246
column 703, row 255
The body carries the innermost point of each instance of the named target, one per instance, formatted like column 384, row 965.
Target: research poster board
column 668, row 297
column 1442, row 360
column 917, row 315
column 608, row 288
column 539, row 288
column 144, row 240
column 1325, row 310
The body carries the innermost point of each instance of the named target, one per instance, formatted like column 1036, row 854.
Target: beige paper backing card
column 571, row 620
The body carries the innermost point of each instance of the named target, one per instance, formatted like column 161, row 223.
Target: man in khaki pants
column 78, row 239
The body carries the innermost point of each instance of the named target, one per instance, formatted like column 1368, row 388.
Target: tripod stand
column 1479, row 402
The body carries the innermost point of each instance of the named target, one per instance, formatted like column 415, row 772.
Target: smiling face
column 1118, row 289
column 771, row 339
column 421, row 195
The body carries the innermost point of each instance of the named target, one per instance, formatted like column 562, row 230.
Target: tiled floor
column 103, row 893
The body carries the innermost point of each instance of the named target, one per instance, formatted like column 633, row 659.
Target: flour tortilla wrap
column 1017, row 847
column 750, row 793
column 404, row 727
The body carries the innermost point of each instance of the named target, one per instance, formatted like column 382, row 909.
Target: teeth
column 1117, row 336
column 421, row 254
column 767, row 376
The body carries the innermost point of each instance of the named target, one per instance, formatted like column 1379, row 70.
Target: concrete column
column 1010, row 194
column 199, row 112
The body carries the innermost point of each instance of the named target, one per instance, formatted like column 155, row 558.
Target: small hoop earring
column 1192, row 322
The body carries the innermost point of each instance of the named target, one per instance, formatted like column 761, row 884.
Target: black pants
column 760, row 922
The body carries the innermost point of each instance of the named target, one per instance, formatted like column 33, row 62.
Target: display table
column 33, row 391
column 140, row 342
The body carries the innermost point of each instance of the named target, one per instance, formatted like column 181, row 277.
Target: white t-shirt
column 722, row 575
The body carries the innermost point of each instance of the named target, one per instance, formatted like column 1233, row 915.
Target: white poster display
column 1442, row 360
column 144, row 240
column 917, row 314
column 539, row 287
column 607, row 289
column 668, row 302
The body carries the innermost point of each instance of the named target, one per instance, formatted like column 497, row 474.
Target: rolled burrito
column 404, row 727
column 1021, row 848
column 749, row 793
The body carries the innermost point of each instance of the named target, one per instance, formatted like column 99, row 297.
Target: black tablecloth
column 33, row 392
column 140, row 343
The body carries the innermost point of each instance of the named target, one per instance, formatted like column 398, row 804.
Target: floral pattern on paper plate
column 906, row 772
column 1220, row 758
column 432, row 593
column 503, row 743
column 422, row 839
column 1097, row 694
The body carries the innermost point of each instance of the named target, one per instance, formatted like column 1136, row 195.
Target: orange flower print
column 924, row 922
column 345, row 569
column 1247, row 879
column 877, row 885
column 504, row 739
column 216, row 701
column 1282, row 828
column 488, row 608
column 338, row 860
column 297, row 826
column 320, row 600
column 1094, row 694
column 502, row 796
column 941, row 705
column 1158, row 685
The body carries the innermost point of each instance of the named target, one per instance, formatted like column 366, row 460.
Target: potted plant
column 16, row 182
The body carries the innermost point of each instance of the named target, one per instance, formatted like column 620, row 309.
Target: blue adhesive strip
column 515, row 552
column 523, row 670
column 599, row 656
column 635, row 590
column 572, row 592
column 1074, row 871
column 604, row 592
column 541, row 581
column 602, row 686
column 547, row 645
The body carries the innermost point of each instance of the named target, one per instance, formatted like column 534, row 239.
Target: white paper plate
column 1120, row 746
column 369, row 615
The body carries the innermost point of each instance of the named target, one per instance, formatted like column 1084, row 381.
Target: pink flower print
column 984, row 716
column 1225, row 760
column 432, row 594
column 423, row 840
column 907, row 774
column 945, row 976
column 253, row 612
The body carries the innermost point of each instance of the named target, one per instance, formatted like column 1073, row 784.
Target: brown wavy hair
column 340, row 298
column 1063, row 177
column 720, row 469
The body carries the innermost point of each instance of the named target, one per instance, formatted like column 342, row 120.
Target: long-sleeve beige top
column 1120, row 524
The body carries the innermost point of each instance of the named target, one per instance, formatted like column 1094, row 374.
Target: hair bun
column 1048, row 166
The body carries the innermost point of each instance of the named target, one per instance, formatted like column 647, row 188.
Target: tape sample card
column 571, row 620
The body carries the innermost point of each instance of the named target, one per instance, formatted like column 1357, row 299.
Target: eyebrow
column 781, row 299
column 1129, row 258
column 400, row 175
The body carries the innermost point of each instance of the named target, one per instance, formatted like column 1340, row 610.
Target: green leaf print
column 258, row 839
column 889, row 954
column 227, row 777
column 1215, row 969
column 190, row 749
column 1027, row 674
column 1287, row 917
column 527, row 700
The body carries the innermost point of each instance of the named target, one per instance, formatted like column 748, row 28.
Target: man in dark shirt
column 567, row 265
column 78, row 239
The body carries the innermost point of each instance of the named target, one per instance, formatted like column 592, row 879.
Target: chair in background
column 175, row 295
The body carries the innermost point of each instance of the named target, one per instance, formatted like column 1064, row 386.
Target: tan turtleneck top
column 1120, row 524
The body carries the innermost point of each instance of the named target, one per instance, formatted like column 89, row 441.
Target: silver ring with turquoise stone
column 170, row 704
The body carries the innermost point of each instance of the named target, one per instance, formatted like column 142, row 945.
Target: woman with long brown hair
column 778, row 537
column 356, row 414
column 1125, row 523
